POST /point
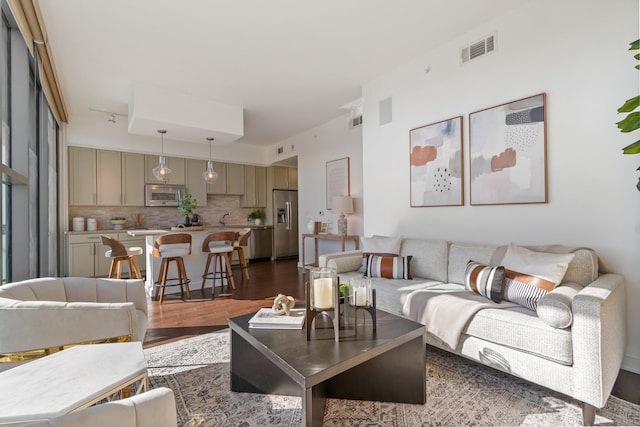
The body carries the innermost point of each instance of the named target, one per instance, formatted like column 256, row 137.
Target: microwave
column 163, row 194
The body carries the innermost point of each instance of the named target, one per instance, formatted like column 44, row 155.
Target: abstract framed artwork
column 337, row 180
column 508, row 153
column 436, row 164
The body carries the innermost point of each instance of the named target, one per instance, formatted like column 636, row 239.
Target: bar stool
column 220, row 247
column 237, row 248
column 118, row 254
column 172, row 247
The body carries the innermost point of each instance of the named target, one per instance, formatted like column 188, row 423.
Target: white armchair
column 155, row 408
column 52, row 312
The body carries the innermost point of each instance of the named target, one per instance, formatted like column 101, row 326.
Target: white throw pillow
column 551, row 267
column 381, row 245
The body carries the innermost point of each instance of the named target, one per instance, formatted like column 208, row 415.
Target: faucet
column 222, row 220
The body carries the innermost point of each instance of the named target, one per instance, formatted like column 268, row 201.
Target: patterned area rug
column 459, row 393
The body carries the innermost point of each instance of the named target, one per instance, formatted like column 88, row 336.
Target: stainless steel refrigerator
column 285, row 223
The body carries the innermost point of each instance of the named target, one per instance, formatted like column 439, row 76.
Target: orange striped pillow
column 395, row 267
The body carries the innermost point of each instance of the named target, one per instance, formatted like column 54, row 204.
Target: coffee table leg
column 314, row 400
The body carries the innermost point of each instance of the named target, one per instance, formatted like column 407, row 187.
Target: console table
column 337, row 237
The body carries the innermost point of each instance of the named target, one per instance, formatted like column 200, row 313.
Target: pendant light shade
column 210, row 175
column 162, row 172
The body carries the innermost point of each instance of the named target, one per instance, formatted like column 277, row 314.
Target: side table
column 336, row 237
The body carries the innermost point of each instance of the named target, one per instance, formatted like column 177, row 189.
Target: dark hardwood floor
column 176, row 319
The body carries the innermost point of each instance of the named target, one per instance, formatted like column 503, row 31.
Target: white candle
column 359, row 296
column 323, row 293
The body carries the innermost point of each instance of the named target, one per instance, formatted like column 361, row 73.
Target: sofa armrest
column 599, row 337
column 31, row 325
column 324, row 259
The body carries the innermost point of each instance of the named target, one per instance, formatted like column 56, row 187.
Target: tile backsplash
column 211, row 214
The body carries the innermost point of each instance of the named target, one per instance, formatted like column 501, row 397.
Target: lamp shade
column 343, row 204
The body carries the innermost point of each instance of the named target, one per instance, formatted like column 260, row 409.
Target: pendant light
column 210, row 175
column 162, row 172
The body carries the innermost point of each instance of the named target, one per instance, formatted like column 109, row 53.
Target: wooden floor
column 176, row 319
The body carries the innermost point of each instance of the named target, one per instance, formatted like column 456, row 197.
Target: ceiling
column 290, row 64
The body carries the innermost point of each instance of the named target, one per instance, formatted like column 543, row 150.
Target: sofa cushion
column 485, row 280
column 522, row 330
column 459, row 256
column 380, row 245
column 530, row 275
column 389, row 267
column 429, row 258
column 555, row 308
column 40, row 289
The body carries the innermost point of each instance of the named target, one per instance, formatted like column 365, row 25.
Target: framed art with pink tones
column 436, row 164
column 508, row 153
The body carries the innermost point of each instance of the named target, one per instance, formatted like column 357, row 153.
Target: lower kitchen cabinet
column 85, row 253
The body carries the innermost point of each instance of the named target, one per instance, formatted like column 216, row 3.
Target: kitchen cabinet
column 105, row 178
column 230, row 179
column 255, row 187
column 196, row 185
column 177, row 166
column 85, row 253
column 132, row 179
column 284, row 178
column 109, row 178
column 82, row 176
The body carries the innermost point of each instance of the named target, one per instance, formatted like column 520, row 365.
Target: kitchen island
column 194, row 263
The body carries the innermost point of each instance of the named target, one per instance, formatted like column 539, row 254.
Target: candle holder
column 323, row 296
column 362, row 297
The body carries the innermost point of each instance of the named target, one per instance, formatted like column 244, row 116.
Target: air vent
column 355, row 121
column 478, row 49
column 280, row 150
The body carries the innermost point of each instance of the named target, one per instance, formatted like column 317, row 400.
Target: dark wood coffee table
column 387, row 365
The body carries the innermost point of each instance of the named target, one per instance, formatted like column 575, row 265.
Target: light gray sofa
column 580, row 359
column 51, row 312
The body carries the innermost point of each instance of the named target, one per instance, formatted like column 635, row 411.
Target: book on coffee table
column 265, row 318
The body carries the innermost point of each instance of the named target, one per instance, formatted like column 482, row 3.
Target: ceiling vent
column 478, row 49
column 355, row 121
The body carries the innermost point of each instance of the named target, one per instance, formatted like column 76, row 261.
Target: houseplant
column 186, row 205
column 257, row 216
column 632, row 121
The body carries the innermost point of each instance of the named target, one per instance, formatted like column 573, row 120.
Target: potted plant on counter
column 257, row 216
column 186, row 205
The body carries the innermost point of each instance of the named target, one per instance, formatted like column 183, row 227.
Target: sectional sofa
column 570, row 337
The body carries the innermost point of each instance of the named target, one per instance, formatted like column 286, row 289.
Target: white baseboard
column 631, row 364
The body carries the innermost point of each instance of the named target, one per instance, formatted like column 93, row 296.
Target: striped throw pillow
column 396, row 267
column 525, row 289
column 485, row 280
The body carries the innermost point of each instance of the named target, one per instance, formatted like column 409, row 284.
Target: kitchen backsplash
column 211, row 214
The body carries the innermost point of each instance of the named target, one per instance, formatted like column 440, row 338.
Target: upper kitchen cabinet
column 105, row 178
column 255, row 187
column 196, row 185
column 109, row 178
column 82, row 176
column 284, row 178
column 132, row 179
column 177, row 166
column 230, row 179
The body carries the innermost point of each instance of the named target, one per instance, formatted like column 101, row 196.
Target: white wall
column 330, row 141
column 576, row 52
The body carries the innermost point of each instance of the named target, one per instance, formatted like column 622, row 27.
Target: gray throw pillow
column 554, row 308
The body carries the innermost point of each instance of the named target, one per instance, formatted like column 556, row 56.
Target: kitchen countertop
column 162, row 230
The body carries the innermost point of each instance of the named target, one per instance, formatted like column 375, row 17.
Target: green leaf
column 638, row 184
column 637, row 56
column 630, row 105
column 630, row 123
column 632, row 148
column 635, row 45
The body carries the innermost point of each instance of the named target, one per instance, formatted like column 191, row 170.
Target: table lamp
column 344, row 205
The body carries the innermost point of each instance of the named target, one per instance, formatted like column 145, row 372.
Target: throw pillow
column 554, row 309
column 388, row 267
column 551, row 267
column 485, row 280
column 378, row 245
column 525, row 289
